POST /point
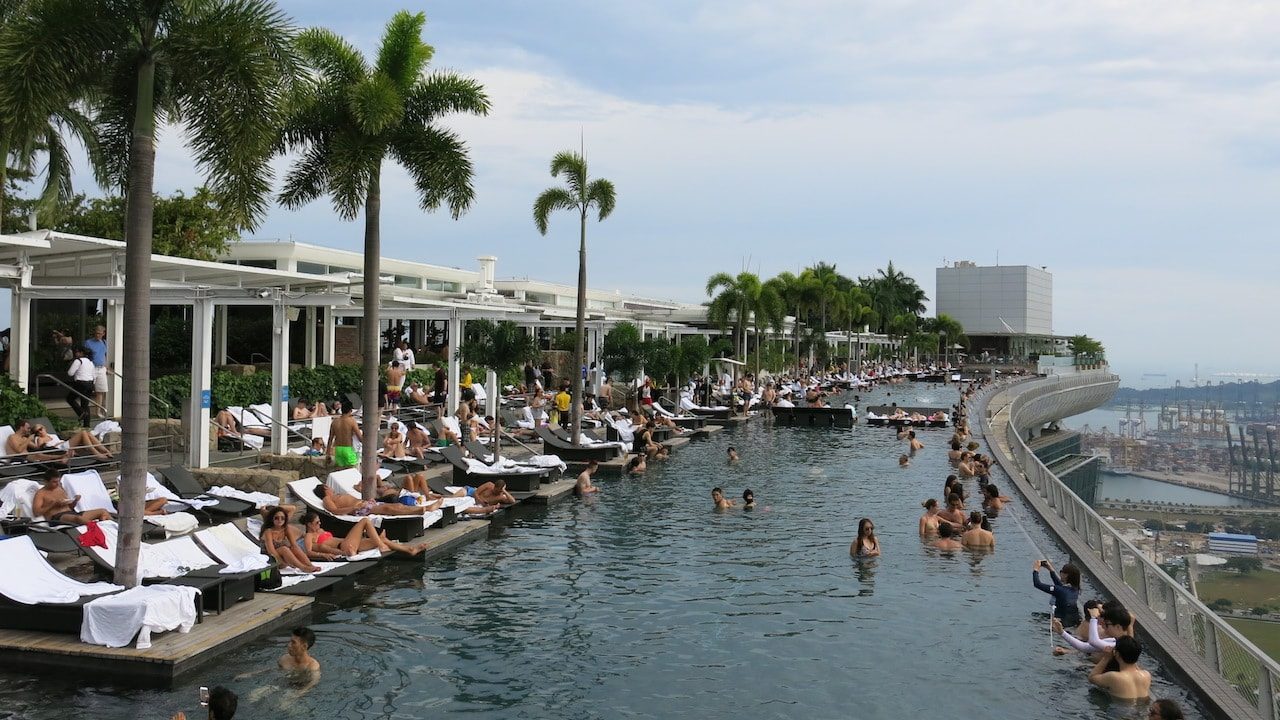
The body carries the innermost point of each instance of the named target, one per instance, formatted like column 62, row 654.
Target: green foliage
column 623, row 351
column 566, row 341
column 1220, row 604
column 1086, row 348
column 16, row 405
column 191, row 227
column 661, row 358
column 170, row 340
column 1244, row 565
column 501, row 347
column 691, row 356
column 324, row 383
column 893, row 293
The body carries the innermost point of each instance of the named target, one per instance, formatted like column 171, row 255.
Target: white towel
column 88, row 485
column 114, row 620
column 29, row 579
column 16, row 498
column 260, row 499
column 104, row 427
column 179, row 523
column 248, row 563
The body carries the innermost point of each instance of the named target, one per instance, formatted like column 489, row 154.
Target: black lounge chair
column 555, row 445
column 516, row 481
column 180, row 480
column 712, row 413
column 60, row 617
column 480, row 451
column 401, row 528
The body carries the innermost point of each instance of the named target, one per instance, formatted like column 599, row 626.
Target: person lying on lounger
column 348, row 505
column 51, row 503
column 23, row 442
column 81, row 442
column 283, row 542
column 320, row 544
column 393, row 446
column 493, row 492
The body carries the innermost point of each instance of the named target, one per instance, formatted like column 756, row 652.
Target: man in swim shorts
column 395, row 382
column 493, row 493
column 51, row 502
column 341, row 445
column 348, row 505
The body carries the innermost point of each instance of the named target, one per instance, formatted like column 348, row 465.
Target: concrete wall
column 980, row 297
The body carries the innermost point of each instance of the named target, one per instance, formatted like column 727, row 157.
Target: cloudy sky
column 1133, row 148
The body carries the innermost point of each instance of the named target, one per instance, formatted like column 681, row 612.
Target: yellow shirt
column 563, row 401
column 466, row 381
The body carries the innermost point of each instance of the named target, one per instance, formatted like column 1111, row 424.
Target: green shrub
column 16, row 405
column 172, row 390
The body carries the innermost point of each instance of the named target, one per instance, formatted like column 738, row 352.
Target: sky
column 1132, row 148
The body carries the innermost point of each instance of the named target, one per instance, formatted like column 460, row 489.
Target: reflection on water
column 1132, row 487
column 642, row 602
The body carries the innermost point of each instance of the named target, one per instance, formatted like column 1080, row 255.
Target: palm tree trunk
column 579, row 343
column 137, row 327
column 4, row 177
column 372, row 359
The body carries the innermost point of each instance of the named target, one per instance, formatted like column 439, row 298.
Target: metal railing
column 58, row 380
column 1246, row 668
column 173, row 436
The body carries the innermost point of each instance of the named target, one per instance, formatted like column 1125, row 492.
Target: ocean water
column 644, row 603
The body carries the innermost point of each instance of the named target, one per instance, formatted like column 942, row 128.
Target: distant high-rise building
column 996, row 300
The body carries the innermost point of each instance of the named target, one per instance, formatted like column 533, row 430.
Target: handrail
column 172, row 433
column 1245, row 667
column 272, row 421
column 58, row 380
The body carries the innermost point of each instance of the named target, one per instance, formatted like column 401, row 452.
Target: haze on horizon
column 1131, row 148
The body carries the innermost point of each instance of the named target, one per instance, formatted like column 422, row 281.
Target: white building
column 997, row 299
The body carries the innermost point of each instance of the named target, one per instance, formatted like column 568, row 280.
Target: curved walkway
column 1111, row 561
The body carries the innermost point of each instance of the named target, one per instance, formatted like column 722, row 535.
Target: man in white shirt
column 404, row 355
column 82, row 372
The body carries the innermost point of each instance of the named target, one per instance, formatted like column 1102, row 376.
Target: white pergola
column 49, row 265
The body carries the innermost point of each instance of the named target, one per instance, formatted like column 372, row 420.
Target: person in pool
column 583, row 485
column 721, row 502
column 866, row 544
column 978, row 536
column 637, row 465
column 946, row 538
column 303, row 669
column 732, row 454
column 1065, row 590
column 992, row 501
column 916, row 445
column 904, row 461
column 929, row 520
column 1164, row 709
column 493, row 493
column 748, row 499
column 954, row 514
column 1127, row 681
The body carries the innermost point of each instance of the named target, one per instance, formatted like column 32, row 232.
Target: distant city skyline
column 1132, row 149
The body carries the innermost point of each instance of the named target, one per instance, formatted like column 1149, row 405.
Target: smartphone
column 204, row 696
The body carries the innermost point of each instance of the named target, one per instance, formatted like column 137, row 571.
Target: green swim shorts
column 344, row 456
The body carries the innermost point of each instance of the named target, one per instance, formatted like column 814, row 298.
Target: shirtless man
column 732, row 455
column 23, row 442
column 417, row 441
column 721, row 502
column 418, row 394
column 349, row 505
column 341, row 446
column 584, row 486
column 301, row 411
column 51, row 503
column 1128, row 682
column 493, row 493
column 976, row 536
column 463, row 413
column 395, row 383
column 297, row 658
column 946, row 538
column 393, row 446
column 226, row 422
column 916, row 445
column 954, row 514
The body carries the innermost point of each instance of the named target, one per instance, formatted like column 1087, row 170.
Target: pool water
column 643, row 602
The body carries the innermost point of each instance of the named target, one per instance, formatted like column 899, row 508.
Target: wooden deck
column 551, row 492
column 170, row 655
column 445, row 540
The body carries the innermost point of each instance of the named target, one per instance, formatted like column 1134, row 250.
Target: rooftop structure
column 997, row 299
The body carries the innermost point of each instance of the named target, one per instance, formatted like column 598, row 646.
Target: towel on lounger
column 114, row 620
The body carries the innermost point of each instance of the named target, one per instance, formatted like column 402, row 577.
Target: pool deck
column 170, row 655
column 174, row 654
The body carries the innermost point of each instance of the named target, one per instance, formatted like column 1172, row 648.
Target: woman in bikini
column 866, row 544
column 320, row 544
column 281, row 542
column 929, row 521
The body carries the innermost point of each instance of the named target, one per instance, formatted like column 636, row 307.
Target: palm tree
column 219, row 66
column 949, row 331
column 738, row 295
column 345, row 120
column 580, row 195
column 766, row 311
column 501, row 347
column 798, row 293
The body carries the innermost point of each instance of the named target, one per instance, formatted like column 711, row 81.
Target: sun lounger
column 35, row 596
column 115, row 620
column 474, row 473
column 398, row 527
column 554, row 445
column 348, row 482
column 94, row 496
column 183, row 483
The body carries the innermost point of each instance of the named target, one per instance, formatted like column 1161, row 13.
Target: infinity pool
column 642, row 602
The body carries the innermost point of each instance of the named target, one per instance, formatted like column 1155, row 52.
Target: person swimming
column 721, row 502
column 866, row 544
column 904, row 461
column 748, row 499
column 732, row 454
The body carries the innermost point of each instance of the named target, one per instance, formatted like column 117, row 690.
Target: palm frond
column 403, row 55
column 230, row 77
column 601, row 194
column 308, row 179
column 337, row 60
column 437, row 161
column 354, row 160
column 444, row 92
column 57, row 170
column 551, row 199
column 375, row 104
column 574, row 169
column 720, row 279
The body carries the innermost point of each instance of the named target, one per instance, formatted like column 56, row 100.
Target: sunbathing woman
column 348, row 505
column 321, row 544
column 282, row 542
